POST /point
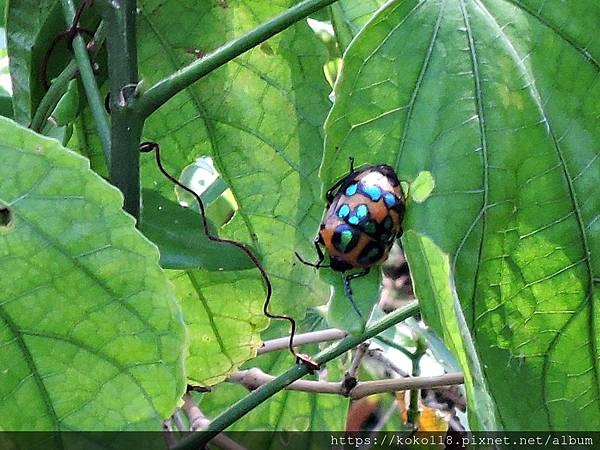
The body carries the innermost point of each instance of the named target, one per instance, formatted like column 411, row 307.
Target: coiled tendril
column 147, row 147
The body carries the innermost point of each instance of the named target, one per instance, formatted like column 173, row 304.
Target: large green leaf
column 259, row 118
column 499, row 100
column 90, row 331
column 180, row 237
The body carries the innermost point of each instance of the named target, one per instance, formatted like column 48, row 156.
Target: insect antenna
column 147, row 147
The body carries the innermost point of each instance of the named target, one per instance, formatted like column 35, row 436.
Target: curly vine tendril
column 147, row 147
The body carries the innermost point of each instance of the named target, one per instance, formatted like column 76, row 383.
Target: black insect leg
column 348, row 288
column 320, row 255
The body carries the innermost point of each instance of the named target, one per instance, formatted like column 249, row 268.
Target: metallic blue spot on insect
column 353, row 220
column 343, row 211
column 390, row 199
column 374, row 192
column 351, row 190
column 361, row 211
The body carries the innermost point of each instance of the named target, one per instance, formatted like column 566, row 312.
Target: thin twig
column 89, row 83
column 392, row 344
column 401, row 384
column 358, row 356
column 177, row 419
column 350, row 380
column 197, row 419
column 254, row 378
column 413, row 406
column 166, row 88
column 331, row 334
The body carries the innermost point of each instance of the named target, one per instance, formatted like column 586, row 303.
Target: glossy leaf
column 259, row 118
column 91, row 335
column 499, row 101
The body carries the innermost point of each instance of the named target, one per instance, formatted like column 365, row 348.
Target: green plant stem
column 90, row 86
column 166, row 88
column 413, row 407
column 52, row 96
column 127, row 125
column 60, row 84
column 245, row 405
column 395, row 346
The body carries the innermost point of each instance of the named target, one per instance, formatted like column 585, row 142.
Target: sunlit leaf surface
column 90, row 332
column 499, row 100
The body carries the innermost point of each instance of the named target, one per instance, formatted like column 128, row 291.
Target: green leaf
column 223, row 313
column 499, row 101
column 365, row 292
column 6, row 109
column 348, row 17
column 430, row 269
column 30, row 28
column 2, row 13
column 180, row 237
column 67, row 108
column 90, row 331
column 259, row 118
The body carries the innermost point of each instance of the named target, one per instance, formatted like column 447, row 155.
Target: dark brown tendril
column 69, row 34
column 147, row 147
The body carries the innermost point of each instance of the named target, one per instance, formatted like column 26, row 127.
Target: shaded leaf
column 180, row 237
column 499, row 101
column 31, row 26
column 90, row 331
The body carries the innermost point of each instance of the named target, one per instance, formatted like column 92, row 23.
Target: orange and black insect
column 362, row 221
